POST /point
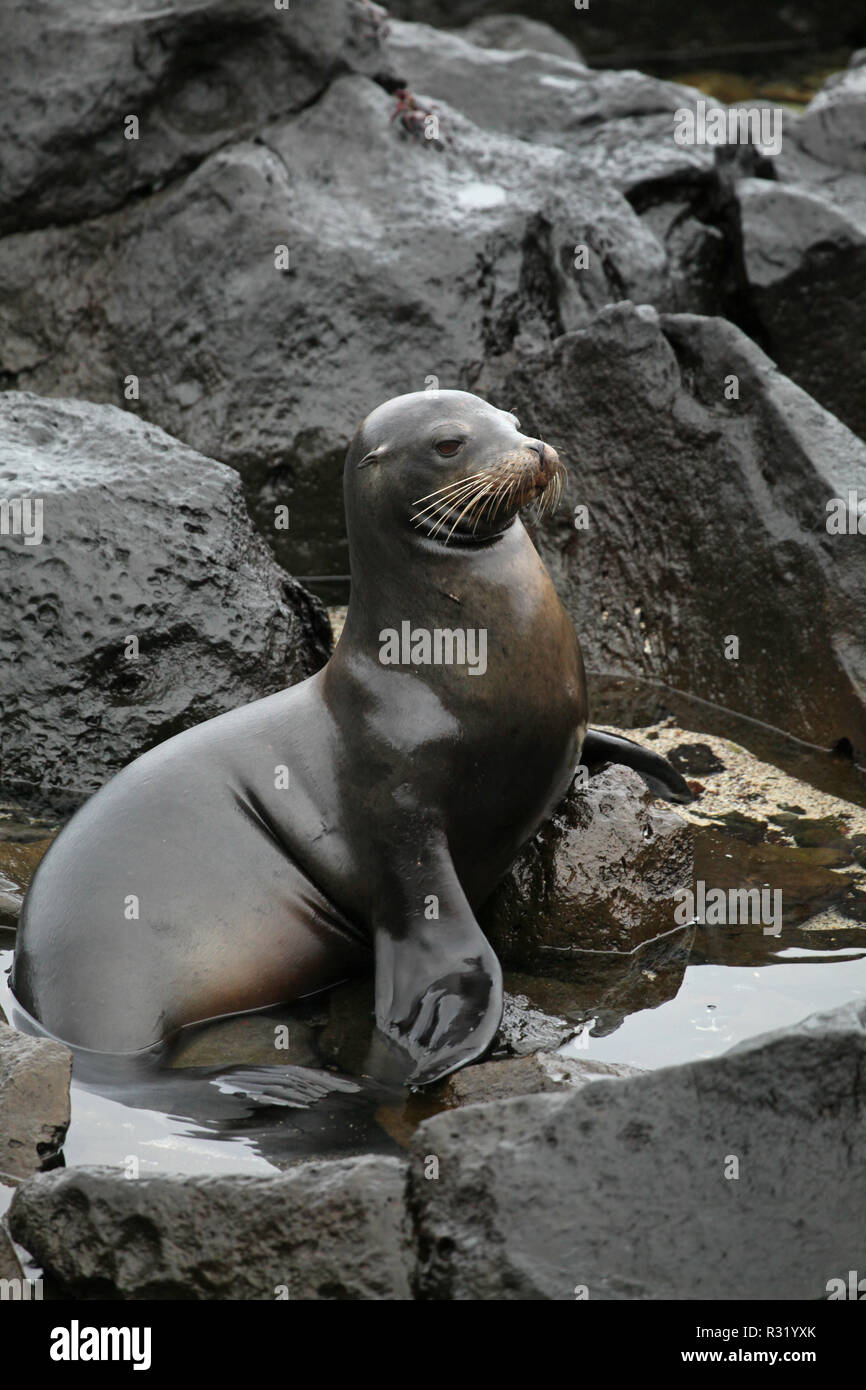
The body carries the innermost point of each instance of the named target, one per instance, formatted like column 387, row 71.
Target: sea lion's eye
column 448, row 447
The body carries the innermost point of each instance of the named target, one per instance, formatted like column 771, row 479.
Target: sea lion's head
column 448, row 466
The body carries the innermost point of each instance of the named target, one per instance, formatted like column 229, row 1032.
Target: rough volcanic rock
column 693, row 1182
column 617, row 124
column 525, row 1030
column 603, row 874
column 408, row 259
column 833, row 126
column 34, row 1101
column 328, row 1230
column 515, row 31
column 706, row 518
column 144, row 539
column 523, row 1076
column 800, row 235
column 196, row 73
column 9, row 1266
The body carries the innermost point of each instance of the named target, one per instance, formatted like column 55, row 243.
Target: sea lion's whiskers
column 450, row 505
column 489, row 500
column 450, row 494
column 446, row 487
column 454, row 503
column 445, row 503
column 503, row 491
column 549, row 499
column 482, row 492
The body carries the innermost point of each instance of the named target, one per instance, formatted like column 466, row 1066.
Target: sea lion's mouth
column 484, row 504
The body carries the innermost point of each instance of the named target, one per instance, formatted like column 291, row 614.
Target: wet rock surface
column 270, row 367
column 602, row 875
column 196, row 75
column 9, row 1265
column 34, row 1101
column 146, row 542
column 727, row 517
column 523, row 1076
column 757, row 827
column 801, row 232
column 332, row 1230
column 541, row 1197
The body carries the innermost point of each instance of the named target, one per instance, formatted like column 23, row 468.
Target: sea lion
column 360, row 817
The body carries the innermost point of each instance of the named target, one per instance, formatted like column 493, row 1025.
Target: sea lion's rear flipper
column 438, row 983
column 297, row 1087
column 662, row 779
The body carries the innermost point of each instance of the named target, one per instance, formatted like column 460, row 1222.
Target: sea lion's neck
column 410, row 576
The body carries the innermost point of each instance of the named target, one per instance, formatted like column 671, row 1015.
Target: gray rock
column 621, row 1189
column 142, row 538
column 525, row 1029
column 11, row 899
column 602, row 875
column 706, row 518
column 833, row 126
column 327, row 1230
column 802, row 244
column 196, row 75
column 270, row 370
column 619, row 123
column 34, row 1101
column 516, row 31
column 9, row 1265
column 522, row 1076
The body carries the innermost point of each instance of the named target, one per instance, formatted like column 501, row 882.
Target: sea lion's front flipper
column 662, row 779
column 438, row 981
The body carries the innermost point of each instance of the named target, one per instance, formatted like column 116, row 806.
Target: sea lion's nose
column 547, row 457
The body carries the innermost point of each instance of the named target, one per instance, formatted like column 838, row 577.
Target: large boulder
column 148, row 604
column 34, row 1101
column 705, row 518
column 618, row 125
column 693, row 1182
column 546, row 97
column 326, row 1230
column 195, row 73
column 408, row 259
column 799, row 234
column 832, row 128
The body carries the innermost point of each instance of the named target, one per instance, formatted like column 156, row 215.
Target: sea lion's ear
column 373, row 456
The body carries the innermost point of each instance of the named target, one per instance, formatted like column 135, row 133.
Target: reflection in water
column 718, row 1006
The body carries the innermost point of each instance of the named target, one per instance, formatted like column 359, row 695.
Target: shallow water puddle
column 718, row 1006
